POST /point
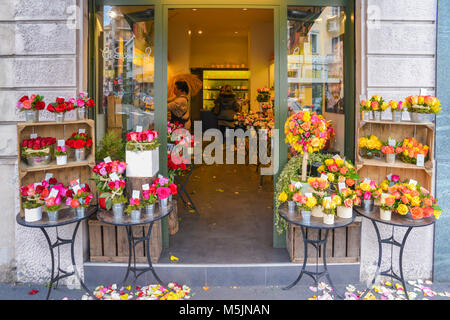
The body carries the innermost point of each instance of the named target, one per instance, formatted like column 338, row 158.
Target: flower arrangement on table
column 287, row 195
column 38, row 151
column 61, row 155
column 57, row 193
column 109, row 178
column 31, row 105
column 149, row 196
column 164, row 188
column 134, row 205
column 32, row 196
column 339, row 170
column 306, row 132
column 368, row 190
column 391, row 151
column 60, row 107
column 411, row 148
column 79, row 142
column 263, row 95
column 78, row 195
column 142, row 153
column 390, row 181
column 423, row 104
column 370, row 147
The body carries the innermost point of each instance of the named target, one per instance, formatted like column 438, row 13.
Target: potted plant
column 349, row 199
column 38, row 151
column 389, row 152
column 142, row 154
column 134, row 209
column 52, row 206
column 79, row 142
column 376, row 104
column 411, row 148
column 32, row 202
column 82, row 102
column 368, row 191
column 79, row 197
column 423, row 108
column 386, row 206
column 105, row 175
column 288, row 196
column 338, row 171
column 320, row 187
column 149, row 199
column 370, row 147
column 31, row 106
column 59, row 108
column 365, row 108
column 263, row 95
column 397, row 110
column 112, row 146
column 61, row 155
column 164, row 189
column 329, row 205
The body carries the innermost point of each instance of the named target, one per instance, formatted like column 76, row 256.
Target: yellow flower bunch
column 371, row 143
column 311, row 202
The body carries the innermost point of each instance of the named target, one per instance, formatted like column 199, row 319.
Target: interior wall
column 179, row 48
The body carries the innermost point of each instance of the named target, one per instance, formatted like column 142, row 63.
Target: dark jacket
column 226, row 107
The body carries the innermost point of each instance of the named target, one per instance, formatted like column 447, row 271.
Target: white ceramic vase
column 317, row 212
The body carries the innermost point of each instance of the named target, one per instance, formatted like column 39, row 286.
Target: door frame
column 279, row 8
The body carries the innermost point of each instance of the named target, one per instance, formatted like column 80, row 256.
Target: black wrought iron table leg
column 149, row 259
column 327, row 274
column 405, row 237
column 74, row 264
column 53, row 262
column 130, row 248
column 305, row 259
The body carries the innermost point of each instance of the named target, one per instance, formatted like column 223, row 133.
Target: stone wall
column 39, row 54
column 396, row 53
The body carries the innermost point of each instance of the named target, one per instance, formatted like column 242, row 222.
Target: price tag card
column 33, row 136
column 327, row 199
column 308, row 195
column 76, row 188
column 53, row 193
column 389, row 177
column 61, row 143
column 342, row 186
column 48, row 176
column 423, row 92
column 420, row 160
column 107, row 160
column 146, row 187
column 392, row 142
column 337, row 157
column 36, row 184
column 114, row 176
column 81, row 131
column 413, row 182
column 138, row 128
column 136, row 194
column 324, row 177
column 75, row 182
column 367, row 180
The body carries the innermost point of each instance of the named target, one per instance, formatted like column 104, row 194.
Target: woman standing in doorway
column 226, row 106
column 179, row 105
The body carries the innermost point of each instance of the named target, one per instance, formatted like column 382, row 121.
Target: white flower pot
column 61, row 160
column 33, row 215
column 317, row 212
column 344, row 212
column 328, row 219
column 142, row 164
column 385, row 215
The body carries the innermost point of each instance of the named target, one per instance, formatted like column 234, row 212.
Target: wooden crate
column 110, row 243
column 343, row 245
column 66, row 173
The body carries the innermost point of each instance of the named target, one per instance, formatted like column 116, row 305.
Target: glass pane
column 125, row 69
column 316, row 65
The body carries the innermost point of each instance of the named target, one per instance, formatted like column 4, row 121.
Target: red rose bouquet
column 60, row 106
column 109, row 178
column 38, row 147
column 78, row 195
column 142, row 141
column 34, row 102
column 164, row 187
column 79, row 141
column 83, row 101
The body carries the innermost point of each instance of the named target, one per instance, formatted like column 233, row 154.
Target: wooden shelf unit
column 66, row 173
column 378, row 169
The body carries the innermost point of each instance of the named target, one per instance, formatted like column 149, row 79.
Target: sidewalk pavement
column 418, row 291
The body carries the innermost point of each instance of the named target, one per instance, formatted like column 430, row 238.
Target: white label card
column 138, row 128
column 327, row 199
column 82, row 131
column 337, row 157
column 61, row 143
column 342, row 186
column 420, row 160
column 146, row 187
column 308, row 195
column 48, row 176
column 389, row 177
column 413, row 182
column 53, row 193
column 76, row 188
column 367, row 180
column 107, row 160
column 136, row 194
column 114, row 176
column 423, row 92
column 33, row 136
column 392, row 142
column 324, row 177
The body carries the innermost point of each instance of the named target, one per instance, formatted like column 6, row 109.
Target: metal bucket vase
column 292, row 206
column 135, row 215
column 397, row 116
column 31, row 116
column 377, row 115
column 164, row 203
column 81, row 212
column 39, row 161
column 365, row 115
column 150, row 209
column 306, row 216
column 59, row 117
column 80, row 154
column 53, row 216
column 422, row 117
column 390, row 158
column 367, row 205
column 81, row 112
column 117, row 209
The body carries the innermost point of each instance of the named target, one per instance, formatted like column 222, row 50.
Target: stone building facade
column 44, row 51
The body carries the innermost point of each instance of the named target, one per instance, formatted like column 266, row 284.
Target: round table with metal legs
column 65, row 217
column 396, row 221
column 125, row 221
column 314, row 223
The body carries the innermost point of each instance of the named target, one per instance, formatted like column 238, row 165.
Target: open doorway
column 229, row 50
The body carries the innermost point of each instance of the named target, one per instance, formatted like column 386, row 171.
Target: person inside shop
column 225, row 108
column 178, row 105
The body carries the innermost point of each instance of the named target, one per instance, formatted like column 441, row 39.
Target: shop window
column 125, row 69
column 316, row 65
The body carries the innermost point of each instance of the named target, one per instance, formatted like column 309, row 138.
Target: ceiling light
column 200, row 31
column 245, row 9
column 189, row 32
column 194, row 9
column 112, row 14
